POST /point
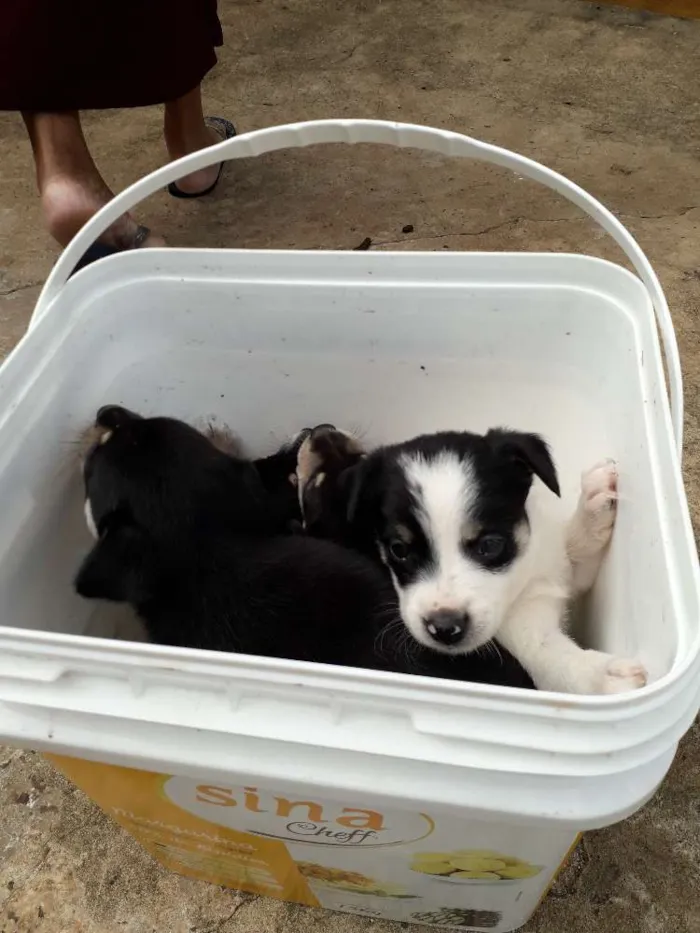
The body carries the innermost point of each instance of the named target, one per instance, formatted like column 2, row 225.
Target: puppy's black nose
column 113, row 416
column 446, row 626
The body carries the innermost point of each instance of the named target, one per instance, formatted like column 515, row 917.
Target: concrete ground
column 610, row 97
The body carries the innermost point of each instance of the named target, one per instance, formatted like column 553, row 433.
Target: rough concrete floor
column 608, row 96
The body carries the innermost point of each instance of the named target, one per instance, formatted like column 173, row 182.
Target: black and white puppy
column 473, row 546
column 189, row 537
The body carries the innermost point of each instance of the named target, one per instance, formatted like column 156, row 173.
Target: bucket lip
column 154, row 259
column 305, row 267
column 68, row 309
column 77, row 650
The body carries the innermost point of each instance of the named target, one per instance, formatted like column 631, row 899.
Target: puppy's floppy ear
column 115, row 569
column 528, row 449
column 360, row 486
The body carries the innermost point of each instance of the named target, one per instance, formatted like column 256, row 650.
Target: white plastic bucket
column 401, row 342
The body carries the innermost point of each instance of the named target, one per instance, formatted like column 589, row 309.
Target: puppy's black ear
column 360, row 487
column 115, row 569
column 528, row 449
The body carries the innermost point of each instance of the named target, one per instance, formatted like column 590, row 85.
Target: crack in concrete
column 459, row 233
column 484, row 230
column 245, row 899
column 535, row 220
column 347, row 55
column 19, row 288
column 686, row 210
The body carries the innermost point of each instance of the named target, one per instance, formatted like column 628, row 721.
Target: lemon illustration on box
column 361, row 856
column 473, row 865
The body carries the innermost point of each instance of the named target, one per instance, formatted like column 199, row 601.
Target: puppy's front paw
column 598, row 502
column 622, row 675
column 596, row 673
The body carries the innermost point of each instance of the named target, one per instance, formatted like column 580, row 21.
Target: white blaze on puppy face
column 90, row 521
column 308, row 461
column 445, row 491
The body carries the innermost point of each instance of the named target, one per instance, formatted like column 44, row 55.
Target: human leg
column 186, row 130
column 70, row 185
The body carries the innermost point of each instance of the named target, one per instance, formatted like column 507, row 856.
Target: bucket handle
column 404, row 135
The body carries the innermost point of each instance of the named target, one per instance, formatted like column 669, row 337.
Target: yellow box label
column 348, row 855
column 184, row 842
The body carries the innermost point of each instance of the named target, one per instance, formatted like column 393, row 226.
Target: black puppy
column 187, row 535
column 277, row 472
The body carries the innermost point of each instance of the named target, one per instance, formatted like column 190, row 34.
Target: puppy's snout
column 446, row 626
column 113, row 416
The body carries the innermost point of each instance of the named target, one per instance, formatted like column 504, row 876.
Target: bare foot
column 69, row 202
column 70, row 185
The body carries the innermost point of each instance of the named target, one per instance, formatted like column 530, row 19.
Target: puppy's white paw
column 599, row 487
column 596, row 673
column 622, row 675
column 598, row 501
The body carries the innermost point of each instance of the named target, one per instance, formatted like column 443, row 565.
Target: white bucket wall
column 393, row 346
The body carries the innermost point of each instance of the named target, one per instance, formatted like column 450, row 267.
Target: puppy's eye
column 489, row 546
column 399, row 550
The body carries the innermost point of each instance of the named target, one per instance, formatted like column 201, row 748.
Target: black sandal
column 226, row 130
column 102, row 250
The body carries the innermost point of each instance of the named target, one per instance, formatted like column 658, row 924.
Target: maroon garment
column 96, row 54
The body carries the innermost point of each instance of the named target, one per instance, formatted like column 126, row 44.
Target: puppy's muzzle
column 114, row 416
column 446, row 627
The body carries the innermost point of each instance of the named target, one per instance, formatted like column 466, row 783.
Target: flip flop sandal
column 226, row 130
column 101, row 250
